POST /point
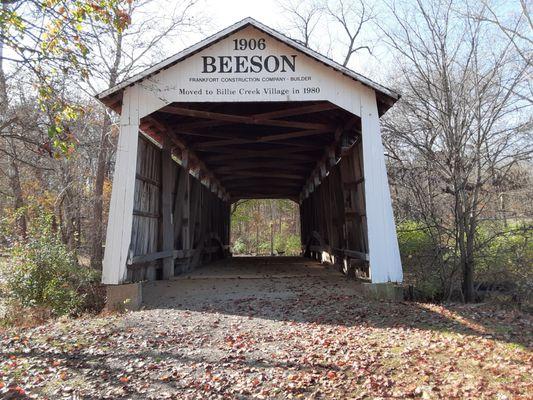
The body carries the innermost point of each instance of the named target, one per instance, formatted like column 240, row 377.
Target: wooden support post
column 332, row 159
column 185, row 159
column 186, row 231
column 323, row 171
column 118, row 236
column 316, row 180
column 385, row 263
column 168, row 170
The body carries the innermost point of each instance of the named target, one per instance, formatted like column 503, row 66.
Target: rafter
column 293, row 166
column 231, row 142
column 266, row 139
column 163, row 130
column 241, row 119
column 260, row 174
column 261, row 183
column 249, row 154
column 287, row 112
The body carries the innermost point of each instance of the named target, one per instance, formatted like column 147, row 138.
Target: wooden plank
column 242, row 119
column 147, row 180
column 293, row 135
column 168, row 168
column 119, row 227
column 292, row 166
column 272, row 139
column 146, row 214
column 356, row 254
column 261, row 183
column 276, row 155
column 287, row 112
column 161, row 255
column 165, row 131
column 227, row 176
column 246, row 195
column 353, row 184
column 150, row 257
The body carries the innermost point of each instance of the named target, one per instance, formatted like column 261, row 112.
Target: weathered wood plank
column 167, row 225
column 242, row 119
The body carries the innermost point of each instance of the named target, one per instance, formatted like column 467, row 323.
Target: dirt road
column 266, row 331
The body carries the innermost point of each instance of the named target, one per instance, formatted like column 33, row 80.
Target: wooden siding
column 199, row 218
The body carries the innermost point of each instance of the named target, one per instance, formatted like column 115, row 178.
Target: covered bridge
column 247, row 113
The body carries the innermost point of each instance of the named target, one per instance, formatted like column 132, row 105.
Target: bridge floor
column 247, row 278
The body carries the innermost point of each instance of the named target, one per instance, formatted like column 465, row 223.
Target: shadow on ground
column 304, row 291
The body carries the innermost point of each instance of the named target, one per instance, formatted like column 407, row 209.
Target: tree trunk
column 16, row 188
column 101, row 168
column 468, row 281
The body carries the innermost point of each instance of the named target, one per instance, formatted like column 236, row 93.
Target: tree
column 462, row 123
column 118, row 54
column 303, row 17
column 48, row 39
column 517, row 28
column 344, row 21
column 351, row 16
column 43, row 40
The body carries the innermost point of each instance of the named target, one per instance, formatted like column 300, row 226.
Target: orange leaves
column 331, row 375
column 204, row 350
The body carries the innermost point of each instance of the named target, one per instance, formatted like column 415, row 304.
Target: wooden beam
column 147, row 180
column 293, row 135
column 198, row 163
column 150, row 257
column 260, row 174
column 146, row 214
column 266, row 139
column 168, row 167
column 322, row 164
column 291, row 196
column 241, row 119
column 289, row 153
column 287, row 112
column 287, row 166
column 262, row 183
column 271, row 155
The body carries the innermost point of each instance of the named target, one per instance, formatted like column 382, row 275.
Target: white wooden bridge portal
column 247, row 113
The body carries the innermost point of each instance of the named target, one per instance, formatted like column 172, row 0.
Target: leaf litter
column 316, row 343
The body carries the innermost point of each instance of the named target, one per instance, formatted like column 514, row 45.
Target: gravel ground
column 287, row 330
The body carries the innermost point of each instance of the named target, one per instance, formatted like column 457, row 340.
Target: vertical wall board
column 385, row 263
column 146, row 199
column 145, row 230
column 167, row 226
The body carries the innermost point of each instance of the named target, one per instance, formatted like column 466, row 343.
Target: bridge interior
column 195, row 159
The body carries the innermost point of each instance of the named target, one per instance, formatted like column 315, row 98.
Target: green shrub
column 42, row 273
column 420, row 264
column 504, row 262
column 288, row 245
column 239, row 247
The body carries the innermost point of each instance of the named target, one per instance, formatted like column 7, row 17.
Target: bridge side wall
column 176, row 222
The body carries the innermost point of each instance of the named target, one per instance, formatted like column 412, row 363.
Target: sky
column 224, row 13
